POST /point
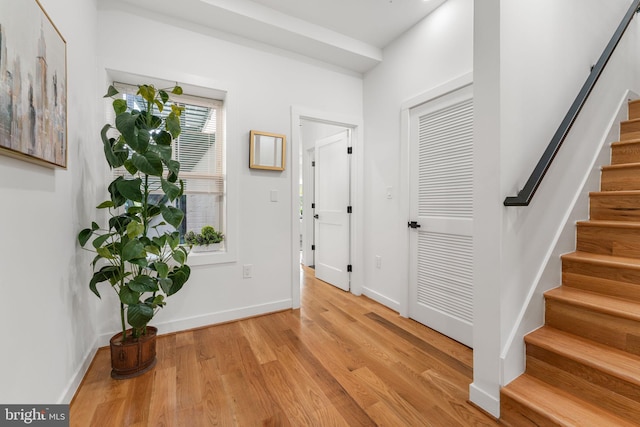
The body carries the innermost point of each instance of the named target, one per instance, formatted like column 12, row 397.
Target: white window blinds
column 200, row 147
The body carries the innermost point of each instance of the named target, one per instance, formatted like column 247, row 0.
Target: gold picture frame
column 267, row 151
column 33, row 85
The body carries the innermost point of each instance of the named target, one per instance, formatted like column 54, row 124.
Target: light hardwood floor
column 340, row 360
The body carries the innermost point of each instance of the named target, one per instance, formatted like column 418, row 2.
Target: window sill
column 210, row 258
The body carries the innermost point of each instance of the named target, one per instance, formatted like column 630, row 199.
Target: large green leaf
column 174, row 170
column 134, row 229
column 119, row 106
column 112, row 91
column 138, row 315
column 164, row 151
column 130, row 167
column 162, row 269
column 172, row 215
column 163, row 138
column 132, row 250
column 130, row 188
column 165, row 284
column 84, row 236
column 143, row 140
column 104, row 252
column 147, row 92
column 128, row 295
column 105, row 204
column 148, row 163
column 115, row 159
column 99, row 241
column 116, row 197
column 179, row 276
column 164, row 96
column 171, row 190
column 119, row 223
column 173, row 124
column 105, row 273
column 126, row 124
column 143, row 283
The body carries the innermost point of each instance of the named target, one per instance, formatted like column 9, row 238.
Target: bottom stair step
column 527, row 401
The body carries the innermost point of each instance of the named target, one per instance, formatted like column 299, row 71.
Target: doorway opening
column 320, row 192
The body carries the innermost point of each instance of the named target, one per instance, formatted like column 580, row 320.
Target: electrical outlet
column 247, row 271
column 378, row 261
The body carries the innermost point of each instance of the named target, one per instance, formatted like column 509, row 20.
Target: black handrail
column 526, row 194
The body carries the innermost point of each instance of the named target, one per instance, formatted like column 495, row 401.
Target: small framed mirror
column 267, row 151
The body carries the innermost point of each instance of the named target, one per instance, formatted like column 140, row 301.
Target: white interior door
column 332, row 199
column 441, row 170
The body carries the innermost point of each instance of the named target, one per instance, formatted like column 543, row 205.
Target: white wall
column 435, row 51
column 46, row 310
column 542, row 55
column 260, row 90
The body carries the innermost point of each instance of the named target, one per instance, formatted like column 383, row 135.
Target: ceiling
column 347, row 33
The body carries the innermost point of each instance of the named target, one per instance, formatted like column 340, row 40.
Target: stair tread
column 603, row 259
column 626, row 142
column 620, row 166
column 630, row 121
column 615, row 193
column 597, row 302
column 558, row 405
column 609, row 223
column 615, row 362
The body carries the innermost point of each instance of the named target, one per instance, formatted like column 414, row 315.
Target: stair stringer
column 549, row 276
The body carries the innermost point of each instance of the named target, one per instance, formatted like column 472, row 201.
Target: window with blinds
column 200, row 151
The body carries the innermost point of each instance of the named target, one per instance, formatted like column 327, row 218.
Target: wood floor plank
column 339, row 360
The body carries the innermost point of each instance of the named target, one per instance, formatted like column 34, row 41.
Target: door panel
column 332, row 197
column 441, row 145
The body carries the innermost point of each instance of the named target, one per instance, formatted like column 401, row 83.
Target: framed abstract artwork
column 33, row 85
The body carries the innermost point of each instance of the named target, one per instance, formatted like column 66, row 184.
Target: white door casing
column 332, row 199
column 441, row 202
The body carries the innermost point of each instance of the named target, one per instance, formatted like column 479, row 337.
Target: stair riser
column 585, row 382
column 614, row 241
column 513, row 413
column 625, row 153
column 629, row 130
column 634, row 110
column 615, row 207
column 620, row 179
column 621, row 333
column 629, row 291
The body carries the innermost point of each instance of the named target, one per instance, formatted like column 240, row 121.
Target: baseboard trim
column 484, row 400
column 378, row 297
column 210, row 319
column 70, row 391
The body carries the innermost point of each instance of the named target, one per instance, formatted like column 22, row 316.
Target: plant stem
column 124, row 325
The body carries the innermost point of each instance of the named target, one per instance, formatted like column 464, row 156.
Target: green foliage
column 207, row 236
column 142, row 263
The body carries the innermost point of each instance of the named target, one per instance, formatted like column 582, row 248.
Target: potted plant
column 207, row 240
column 138, row 250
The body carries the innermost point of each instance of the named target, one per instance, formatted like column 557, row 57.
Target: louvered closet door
column 441, row 168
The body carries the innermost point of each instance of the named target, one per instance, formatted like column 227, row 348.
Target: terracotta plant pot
column 133, row 357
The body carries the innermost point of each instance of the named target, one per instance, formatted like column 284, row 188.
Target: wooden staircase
column 583, row 365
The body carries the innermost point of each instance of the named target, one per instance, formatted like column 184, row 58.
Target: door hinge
column 313, row 164
column 313, row 205
column 349, row 150
column 313, row 247
column 349, row 209
column 349, row 268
